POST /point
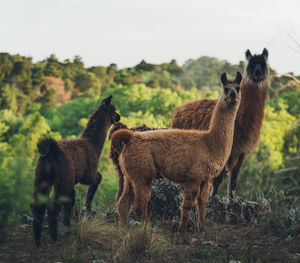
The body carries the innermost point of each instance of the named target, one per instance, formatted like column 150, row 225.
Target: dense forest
column 55, row 98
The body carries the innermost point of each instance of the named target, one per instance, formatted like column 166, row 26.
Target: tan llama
column 189, row 157
column 254, row 89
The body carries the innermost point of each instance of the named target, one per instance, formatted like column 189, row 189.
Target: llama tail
column 48, row 147
column 120, row 138
column 116, row 126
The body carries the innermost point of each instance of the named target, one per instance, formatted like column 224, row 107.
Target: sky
column 124, row 32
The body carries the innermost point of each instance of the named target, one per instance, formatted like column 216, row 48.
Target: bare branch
column 292, row 77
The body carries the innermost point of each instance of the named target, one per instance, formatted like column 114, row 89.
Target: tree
column 87, row 83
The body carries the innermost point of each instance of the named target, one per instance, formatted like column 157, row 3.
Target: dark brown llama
column 64, row 163
column 197, row 115
column 114, row 155
column 189, row 157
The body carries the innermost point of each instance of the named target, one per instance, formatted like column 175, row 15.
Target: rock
column 166, row 199
column 195, row 241
column 165, row 206
column 26, row 219
column 62, row 229
column 210, row 243
column 112, row 216
column 236, row 210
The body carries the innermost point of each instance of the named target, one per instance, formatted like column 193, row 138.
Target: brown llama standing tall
column 189, row 157
column 254, row 88
column 64, row 163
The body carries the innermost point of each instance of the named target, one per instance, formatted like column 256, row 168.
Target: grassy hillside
column 54, row 98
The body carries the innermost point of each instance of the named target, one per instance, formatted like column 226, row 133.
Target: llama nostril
column 232, row 95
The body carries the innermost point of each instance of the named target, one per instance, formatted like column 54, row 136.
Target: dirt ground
column 219, row 243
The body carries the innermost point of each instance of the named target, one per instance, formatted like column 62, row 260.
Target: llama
column 189, row 157
column 65, row 163
column 254, row 88
column 114, row 155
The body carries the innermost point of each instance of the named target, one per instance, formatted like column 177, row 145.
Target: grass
column 274, row 238
column 94, row 231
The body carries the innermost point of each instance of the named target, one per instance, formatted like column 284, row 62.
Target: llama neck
column 222, row 119
column 96, row 130
column 221, row 130
column 251, row 111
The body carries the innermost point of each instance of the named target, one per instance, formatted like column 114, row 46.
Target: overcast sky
column 125, row 32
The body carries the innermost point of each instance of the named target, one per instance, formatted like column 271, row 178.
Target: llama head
column 231, row 90
column 109, row 109
column 257, row 67
column 101, row 119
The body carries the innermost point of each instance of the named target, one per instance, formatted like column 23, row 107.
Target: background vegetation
column 54, row 98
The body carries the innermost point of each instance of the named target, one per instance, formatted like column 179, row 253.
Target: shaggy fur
column 192, row 158
column 114, row 155
column 254, row 88
column 64, row 163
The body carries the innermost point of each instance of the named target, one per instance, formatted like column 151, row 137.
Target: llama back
column 48, row 147
column 194, row 115
column 165, row 152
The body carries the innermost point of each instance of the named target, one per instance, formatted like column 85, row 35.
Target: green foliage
column 87, row 83
column 66, row 118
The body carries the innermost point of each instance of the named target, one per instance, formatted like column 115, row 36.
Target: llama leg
column 124, row 203
column 68, row 208
column 142, row 194
column 38, row 212
column 92, row 190
column 38, row 209
column 191, row 190
column 235, row 169
column 121, row 183
column 217, row 181
column 201, row 203
column 53, row 211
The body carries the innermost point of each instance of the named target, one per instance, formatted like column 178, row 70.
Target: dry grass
column 89, row 241
column 94, row 231
column 274, row 237
column 141, row 241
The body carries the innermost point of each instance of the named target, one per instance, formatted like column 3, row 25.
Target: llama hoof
column 201, row 228
column 38, row 243
column 54, row 236
column 182, row 229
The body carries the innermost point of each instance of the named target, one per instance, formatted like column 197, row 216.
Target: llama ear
column 238, row 77
column 248, row 54
column 224, row 78
column 265, row 54
column 107, row 100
